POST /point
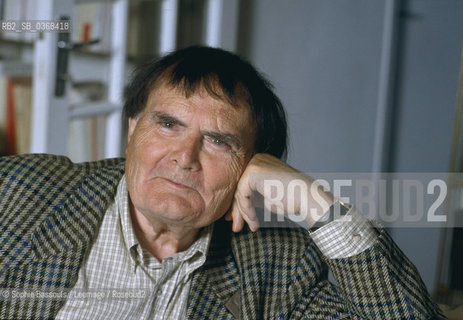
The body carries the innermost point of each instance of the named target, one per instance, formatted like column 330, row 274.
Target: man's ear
column 131, row 129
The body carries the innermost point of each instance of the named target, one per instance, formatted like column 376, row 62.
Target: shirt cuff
column 346, row 236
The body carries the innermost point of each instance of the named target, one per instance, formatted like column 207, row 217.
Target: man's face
column 186, row 155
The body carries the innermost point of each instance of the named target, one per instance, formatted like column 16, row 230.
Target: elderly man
column 205, row 131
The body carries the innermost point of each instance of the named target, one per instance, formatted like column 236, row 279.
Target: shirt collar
column 197, row 252
column 122, row 206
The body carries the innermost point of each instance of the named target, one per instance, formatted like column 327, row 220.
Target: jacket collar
column 84, row 208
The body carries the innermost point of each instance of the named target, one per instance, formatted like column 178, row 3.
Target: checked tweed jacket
column 51, row 209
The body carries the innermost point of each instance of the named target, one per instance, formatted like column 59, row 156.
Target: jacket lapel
column 37, row 186
column 215, row 289
column 74, row 227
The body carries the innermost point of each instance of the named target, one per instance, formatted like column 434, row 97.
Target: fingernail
column 235, row 226
column 254, row 226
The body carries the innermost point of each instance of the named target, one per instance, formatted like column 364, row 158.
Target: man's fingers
column 243, row 209
column 253, row 221
column 238, row 222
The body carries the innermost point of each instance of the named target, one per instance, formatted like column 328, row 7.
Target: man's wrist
column 319, row 200
column 335, row 211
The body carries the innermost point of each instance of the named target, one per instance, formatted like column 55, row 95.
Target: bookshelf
column 57, row 60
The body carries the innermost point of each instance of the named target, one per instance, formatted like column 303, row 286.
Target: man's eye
column 217, row 141
column 167, row 124
column 220, row 143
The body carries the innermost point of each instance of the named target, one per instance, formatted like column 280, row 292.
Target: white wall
column 323, row 57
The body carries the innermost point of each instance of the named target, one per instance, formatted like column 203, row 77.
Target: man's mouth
column 177, row 184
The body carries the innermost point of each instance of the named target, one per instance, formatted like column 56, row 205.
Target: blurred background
column 369, row 85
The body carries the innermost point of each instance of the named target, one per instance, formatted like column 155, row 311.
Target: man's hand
column 264, row 167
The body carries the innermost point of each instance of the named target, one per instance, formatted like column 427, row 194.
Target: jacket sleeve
column 378, row 283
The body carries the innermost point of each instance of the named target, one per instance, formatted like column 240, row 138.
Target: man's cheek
column 227, row 201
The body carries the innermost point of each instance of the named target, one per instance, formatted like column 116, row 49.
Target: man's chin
column 177, row 210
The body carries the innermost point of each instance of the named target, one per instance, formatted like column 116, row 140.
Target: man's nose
column 186, row 153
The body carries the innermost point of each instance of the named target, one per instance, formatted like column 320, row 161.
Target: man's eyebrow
column 225, row 137
column 165, row 117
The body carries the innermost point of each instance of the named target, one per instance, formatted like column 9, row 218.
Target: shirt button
column 356, row 237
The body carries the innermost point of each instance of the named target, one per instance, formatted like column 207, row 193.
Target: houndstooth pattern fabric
column 50, row 211
column 43, row 233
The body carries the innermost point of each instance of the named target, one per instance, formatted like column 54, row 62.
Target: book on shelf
column 91, row 20
column 15, row 107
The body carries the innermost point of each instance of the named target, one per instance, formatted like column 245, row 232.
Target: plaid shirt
column 117, row 262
